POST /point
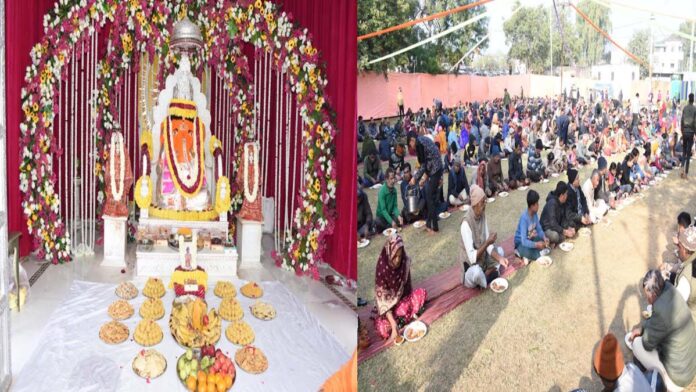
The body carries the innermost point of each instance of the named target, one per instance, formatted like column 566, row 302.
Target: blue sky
column 625, row 21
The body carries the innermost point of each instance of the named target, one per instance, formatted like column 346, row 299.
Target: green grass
column 540, row 334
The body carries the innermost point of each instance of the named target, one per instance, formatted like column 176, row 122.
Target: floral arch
column 142, row 26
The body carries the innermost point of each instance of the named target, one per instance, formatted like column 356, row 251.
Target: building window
column 612, row 76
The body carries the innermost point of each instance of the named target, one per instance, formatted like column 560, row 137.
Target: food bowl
column 444, row 215
column 490, row 200
column 566, row 246
column 363, row 243
column 415, row 331
column 419, row 224
column 388, row 232
column 503, row 194
column 499, row 285
column 544, row 261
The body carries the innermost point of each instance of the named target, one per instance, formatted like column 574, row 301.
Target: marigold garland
column 142, row 26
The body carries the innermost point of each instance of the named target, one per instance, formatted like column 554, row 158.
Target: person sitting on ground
column 365, row 221
column 573, row 162
column 387, row 214
column 666, row 342
column 372, row 169
column 396, row 303
column 457, row 185
column 515, row 170
column 477, row 254
column 480, row 177
column 595, row 207
column 535, row 165
column 396, row 161
column 603, row 191
column 613, row 184
column 418, row 192
column 529, row 236
column 385, row 150
column 684, row 278
column 683, row 221
column 450, row 157
column 667, row 160
column 576, row 206
column 553, row 219
column 617, row 376
column 625, row 179
column 583, row 152
column 484, row 149
column 496, row 181
column 470, row 153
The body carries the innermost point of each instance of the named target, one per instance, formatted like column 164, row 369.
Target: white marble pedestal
column 114, row 241
column 249, row 235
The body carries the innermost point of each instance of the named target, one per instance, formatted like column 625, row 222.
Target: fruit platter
column 192, row 324
column 206, row 369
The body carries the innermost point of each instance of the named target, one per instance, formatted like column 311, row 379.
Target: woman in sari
column 396, row 303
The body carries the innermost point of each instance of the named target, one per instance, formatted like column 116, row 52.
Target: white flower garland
column 117, row 192
column 249, row 195
column 187, row 182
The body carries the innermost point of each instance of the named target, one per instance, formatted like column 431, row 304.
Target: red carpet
column 445, row 292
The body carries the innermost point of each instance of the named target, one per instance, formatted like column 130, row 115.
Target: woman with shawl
column 396, row 303
column 481, row 177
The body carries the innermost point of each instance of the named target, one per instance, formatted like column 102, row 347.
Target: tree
column 639, row 45
column 491, row 63
column 527, row 43
column 592, row 43
column 434, row 57
column 374, row 15
column 685, row 27
column 566, row 48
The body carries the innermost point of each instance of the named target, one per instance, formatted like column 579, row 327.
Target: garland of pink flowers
column 225, row 26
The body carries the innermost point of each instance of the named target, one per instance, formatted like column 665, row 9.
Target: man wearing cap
column 666, row 341
column 576, row 206
column 480, row 263
column 553, row 220
column 685, row 279
column 535, row 165
column 595, row 207
column 616, row 375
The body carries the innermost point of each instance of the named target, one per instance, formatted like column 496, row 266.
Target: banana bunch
column 205, row 331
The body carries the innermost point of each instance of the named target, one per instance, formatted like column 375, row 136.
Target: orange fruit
column 191, row 383
column 202, row 387
column 211, row 386
column 221, row 386
column 201, row 377
column 228, row 381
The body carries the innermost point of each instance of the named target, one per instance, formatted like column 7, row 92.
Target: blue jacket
column 525, row 224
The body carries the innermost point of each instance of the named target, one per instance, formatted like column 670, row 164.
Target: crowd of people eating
column 627, row 147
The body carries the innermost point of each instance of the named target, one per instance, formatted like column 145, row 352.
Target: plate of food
column 120, row 310
column 251, row 360
column 363, row 243
column 523, row 188
column 566, row 246
column 499, row 285
column 544, row 180
column 585, row 231
column 464, row 208
column 490, row 200
column 114, row 332
column 545, row 251
column 399, row 340
column 652, row 182
column 555, row 175
column 149, row 364
column 419, row 224
column 415, row 331
column 503, row 194
column 126, row 290
column 444, row 215
column 545, row 261
column 388, row 232
column 376, row 186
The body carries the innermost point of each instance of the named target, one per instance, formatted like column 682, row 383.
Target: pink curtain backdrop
column 329, row 23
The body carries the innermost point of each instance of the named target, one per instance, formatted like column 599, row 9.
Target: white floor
column 50, row 289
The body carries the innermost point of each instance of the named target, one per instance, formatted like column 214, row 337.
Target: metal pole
column 652, row 20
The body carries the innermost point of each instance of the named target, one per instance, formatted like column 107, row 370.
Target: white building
column 668, row 56
column 619, row 77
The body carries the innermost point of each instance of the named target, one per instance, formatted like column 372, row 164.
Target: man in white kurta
column 480, row 263
column 597, row 207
